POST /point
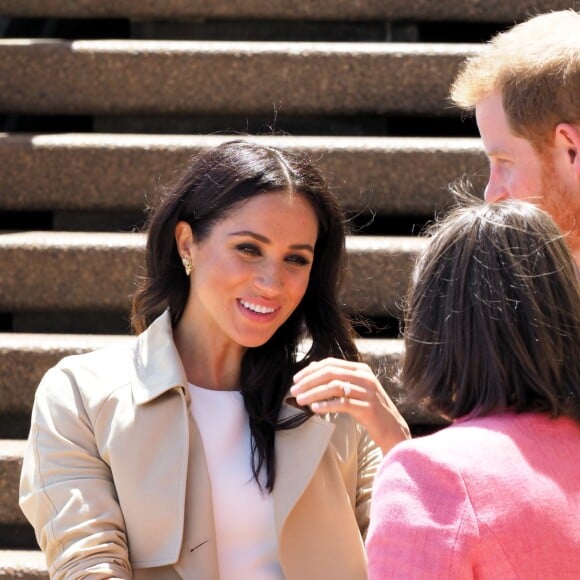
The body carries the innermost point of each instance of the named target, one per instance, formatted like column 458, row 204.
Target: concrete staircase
column 102, row 101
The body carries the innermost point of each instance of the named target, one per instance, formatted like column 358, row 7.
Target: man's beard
column 562, row 204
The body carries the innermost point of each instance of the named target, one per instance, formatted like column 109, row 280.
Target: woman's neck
column 208, row 364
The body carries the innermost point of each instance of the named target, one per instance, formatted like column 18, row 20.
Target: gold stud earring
column 187, row 265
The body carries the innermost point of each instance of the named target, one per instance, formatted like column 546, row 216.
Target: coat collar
column 157, row 363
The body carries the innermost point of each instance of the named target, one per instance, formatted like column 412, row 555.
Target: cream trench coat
column 115, row 484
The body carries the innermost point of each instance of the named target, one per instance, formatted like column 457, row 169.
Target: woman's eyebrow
column 266, row 240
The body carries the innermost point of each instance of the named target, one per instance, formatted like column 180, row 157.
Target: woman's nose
column 268, row 280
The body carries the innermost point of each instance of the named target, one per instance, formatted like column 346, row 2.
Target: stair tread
column 22, row 564
column 111, row 172
column 213, row 77
column 491, row 10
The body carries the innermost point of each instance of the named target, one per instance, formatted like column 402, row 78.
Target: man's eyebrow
column 266, row 240
column 497, row 151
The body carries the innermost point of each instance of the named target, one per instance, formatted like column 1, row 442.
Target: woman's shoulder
column 115, row 350
column 96, row 372
column 487, row 445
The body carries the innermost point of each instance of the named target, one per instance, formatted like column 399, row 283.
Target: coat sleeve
column 422, row 522
column 67, row 490
column 369, row 459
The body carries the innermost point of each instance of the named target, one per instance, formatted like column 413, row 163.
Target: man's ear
column 567, row 141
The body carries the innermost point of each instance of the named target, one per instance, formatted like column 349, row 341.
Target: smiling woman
column 260, row 256
column 257, row 465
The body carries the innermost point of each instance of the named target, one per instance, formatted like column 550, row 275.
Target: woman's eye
column 298, row 260
column 248, row 250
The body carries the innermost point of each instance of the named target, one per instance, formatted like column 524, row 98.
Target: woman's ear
column 185, row 240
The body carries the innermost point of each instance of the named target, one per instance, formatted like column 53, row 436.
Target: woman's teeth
column 257, row 307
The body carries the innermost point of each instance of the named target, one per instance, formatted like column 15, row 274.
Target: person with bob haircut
column 523, row 86
column 492, row 342
column 183, row 454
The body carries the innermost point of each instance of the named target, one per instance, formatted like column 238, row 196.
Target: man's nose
column 495, row 191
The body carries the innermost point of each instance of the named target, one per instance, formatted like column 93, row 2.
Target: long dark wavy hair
column 215, row 183
column 492, row 318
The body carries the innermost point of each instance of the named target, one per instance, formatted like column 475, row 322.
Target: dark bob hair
column 216, row 182
column 492, row 318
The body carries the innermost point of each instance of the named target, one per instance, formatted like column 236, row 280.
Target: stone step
column 22, row 565
column 478, row 10
column 140, row 77
column 111, row 172
column 80, row 271
column 11, row 453
column 26, row 357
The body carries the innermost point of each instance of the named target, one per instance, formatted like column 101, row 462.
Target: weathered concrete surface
column 198, row 77
column 22, row 565
column 68, row 271
column 378, row 272
column 388, row 175
column 479, row 10
column 82, row 271
column 11, row 451
column 26, row 357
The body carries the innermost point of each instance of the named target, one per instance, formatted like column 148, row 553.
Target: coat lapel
column 298, row 454
column 159, row 369
column 198, row 558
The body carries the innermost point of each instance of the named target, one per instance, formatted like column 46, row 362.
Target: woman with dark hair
column 492, row 341
column 185, row 454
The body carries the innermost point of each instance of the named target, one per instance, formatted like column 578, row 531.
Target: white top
column 247, row 546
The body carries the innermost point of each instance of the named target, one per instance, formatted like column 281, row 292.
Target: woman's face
column 251, row 271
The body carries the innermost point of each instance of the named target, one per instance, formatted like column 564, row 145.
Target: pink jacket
column 490, row 498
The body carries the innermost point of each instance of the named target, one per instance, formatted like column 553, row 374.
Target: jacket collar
column 157, row 363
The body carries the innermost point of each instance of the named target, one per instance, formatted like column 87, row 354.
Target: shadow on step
column 14, row 426
column 19, row 537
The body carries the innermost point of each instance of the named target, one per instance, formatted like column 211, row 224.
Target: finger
column 332, row 390
column 340, row 405
column 332, row 368
column 362, row 378
column 327, row 362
